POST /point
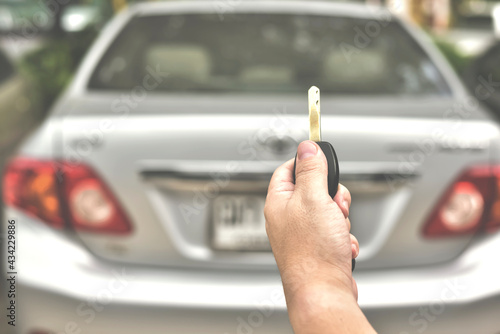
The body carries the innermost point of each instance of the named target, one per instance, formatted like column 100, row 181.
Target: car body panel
column 458, row 297
column 397, row 160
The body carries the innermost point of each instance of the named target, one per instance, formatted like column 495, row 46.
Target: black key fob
column 333, row 172
column 333, row 167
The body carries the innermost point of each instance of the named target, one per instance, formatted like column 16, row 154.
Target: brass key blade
column 314, row 114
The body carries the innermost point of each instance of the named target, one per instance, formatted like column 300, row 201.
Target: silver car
column 137, row 205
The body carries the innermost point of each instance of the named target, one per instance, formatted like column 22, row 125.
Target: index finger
column 282, row 179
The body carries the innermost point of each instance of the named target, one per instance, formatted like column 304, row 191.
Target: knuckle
column 348, row 222
column 344, row 192
column 270, row 212
column 309, row 199
column 313, row 196
column 311, row 166
column 267, row 211
column 347, row 194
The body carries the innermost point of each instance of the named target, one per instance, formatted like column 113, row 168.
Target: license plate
column 239, row 224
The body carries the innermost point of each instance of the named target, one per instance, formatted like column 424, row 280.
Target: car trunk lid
column 171, row 167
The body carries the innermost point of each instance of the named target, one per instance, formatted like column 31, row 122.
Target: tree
column 57, row 8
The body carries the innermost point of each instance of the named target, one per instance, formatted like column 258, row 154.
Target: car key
column 326, row 147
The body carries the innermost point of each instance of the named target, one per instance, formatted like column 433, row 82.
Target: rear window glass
column 259, row 53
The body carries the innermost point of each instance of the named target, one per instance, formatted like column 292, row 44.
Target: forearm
column 321, row 309
column 310, row 239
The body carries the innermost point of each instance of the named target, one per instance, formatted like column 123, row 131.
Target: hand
column 308, row 231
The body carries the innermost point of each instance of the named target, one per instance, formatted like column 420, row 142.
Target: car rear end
column 138, row 203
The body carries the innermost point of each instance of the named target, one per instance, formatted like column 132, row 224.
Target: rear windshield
column 259, row 53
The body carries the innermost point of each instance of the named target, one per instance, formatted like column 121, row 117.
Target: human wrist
column 317, row 303
column 304, row 278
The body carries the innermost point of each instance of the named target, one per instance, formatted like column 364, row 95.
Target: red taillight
column 58, row 192
column 31, row 185
column 470, row 204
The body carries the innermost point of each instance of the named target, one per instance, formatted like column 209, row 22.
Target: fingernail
column 306, row 149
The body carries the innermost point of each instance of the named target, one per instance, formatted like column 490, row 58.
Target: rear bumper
column 62, row 286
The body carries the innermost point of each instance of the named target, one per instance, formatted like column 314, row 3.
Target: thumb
column 311, row 171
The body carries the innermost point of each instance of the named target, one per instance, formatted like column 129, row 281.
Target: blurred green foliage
column 51, row 67
column 458, row 61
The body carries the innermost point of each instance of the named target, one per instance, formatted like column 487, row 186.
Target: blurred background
column 40, row 57
column 39, row 54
